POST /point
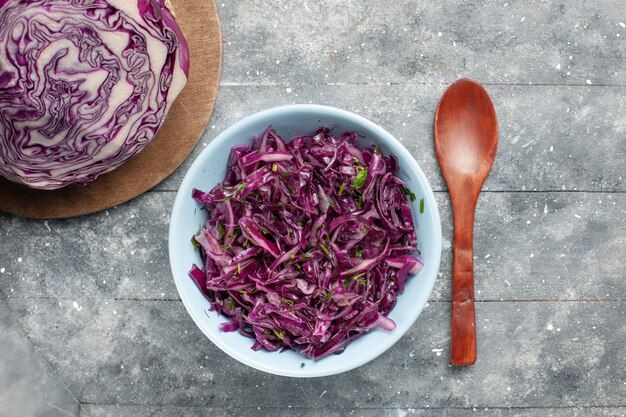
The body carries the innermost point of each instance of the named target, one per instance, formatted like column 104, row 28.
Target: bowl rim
column 220, row 140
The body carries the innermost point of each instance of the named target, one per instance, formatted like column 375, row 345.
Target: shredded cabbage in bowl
column 307, row 244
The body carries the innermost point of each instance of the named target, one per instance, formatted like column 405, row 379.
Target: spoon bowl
column 466, row 132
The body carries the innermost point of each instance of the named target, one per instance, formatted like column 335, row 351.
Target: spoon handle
column 463, row 314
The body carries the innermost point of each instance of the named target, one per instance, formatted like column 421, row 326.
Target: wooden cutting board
column 174, row 142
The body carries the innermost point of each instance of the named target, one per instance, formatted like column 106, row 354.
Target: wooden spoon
column 466, row 138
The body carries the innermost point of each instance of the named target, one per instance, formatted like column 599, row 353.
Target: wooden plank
column 551, row 138
column 97, row 410
column 530, row 354
column 360, row 41
column 117, row 253
column 543, row 246
column 28, row 386
column 528, row 246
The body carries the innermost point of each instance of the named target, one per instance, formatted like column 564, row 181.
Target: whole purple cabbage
column 306, row 244
column 84, row 85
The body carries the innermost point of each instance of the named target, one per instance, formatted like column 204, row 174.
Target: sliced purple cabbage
column 307, row 244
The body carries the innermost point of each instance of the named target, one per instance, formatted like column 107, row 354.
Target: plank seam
column 407, row 83
column 485, row 301
column 468, row 408
column 485, row 191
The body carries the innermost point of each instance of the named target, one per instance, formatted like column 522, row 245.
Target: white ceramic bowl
column 209, row 169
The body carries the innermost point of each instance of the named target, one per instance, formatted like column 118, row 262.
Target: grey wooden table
column 90, row 320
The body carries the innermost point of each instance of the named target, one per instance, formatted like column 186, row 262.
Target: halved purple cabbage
column 306, row 244
column 84, row 85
